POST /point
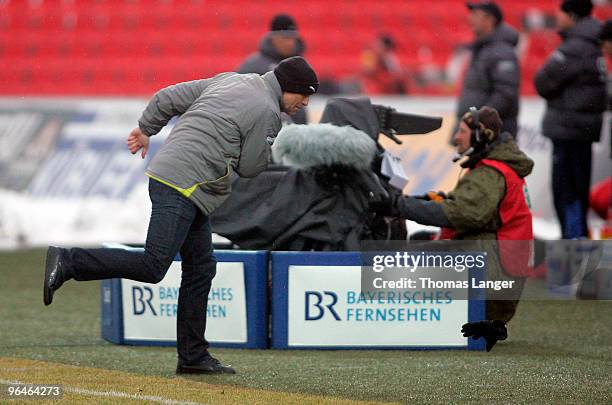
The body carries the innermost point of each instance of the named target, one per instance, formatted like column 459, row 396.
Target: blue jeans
column 176, row 225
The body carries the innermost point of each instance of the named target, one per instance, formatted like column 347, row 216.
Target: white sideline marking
column 114, row 394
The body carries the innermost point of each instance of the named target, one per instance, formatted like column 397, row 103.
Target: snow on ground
column 31, row 222
column 26, row 221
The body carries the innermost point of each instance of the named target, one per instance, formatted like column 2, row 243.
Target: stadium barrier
column 315, row 304
column 315, row 293
column 138, row 313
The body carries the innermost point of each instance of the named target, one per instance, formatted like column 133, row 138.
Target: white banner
column 327, row 309
column 150, row 310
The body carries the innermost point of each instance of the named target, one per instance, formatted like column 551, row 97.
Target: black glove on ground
column 492, row 331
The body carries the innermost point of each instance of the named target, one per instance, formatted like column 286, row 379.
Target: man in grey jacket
column 493, row 76
column 573, row 82
column 282, row 41
column 226, row 124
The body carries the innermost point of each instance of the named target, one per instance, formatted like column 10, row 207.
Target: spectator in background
column 600, row 195
column 606, row 41
column 493, row 76
column 573, row 82
column 606, row 37
column 281, row 42
column 380, row 68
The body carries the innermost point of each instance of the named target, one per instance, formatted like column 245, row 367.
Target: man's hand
column 136, row 141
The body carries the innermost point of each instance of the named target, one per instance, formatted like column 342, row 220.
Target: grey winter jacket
column 493, row 77
column 573, row 82
column 224, row 126
column 265, row 60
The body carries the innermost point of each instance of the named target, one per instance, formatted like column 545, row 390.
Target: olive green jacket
column 472, row 207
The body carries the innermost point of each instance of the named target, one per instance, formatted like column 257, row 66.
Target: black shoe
column 54, row 274
column 209, row 366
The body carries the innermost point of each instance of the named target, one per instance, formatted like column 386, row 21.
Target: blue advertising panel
column 318, row 303
column 145, row 314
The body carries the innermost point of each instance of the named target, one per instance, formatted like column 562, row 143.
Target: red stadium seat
column 132, row 47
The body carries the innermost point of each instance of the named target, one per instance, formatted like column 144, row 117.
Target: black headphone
column 481, row 135
column 477, row 143
column 475, row 125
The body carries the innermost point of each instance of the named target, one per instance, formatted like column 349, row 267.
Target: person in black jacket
column 573, row 82
column 493, row 76
column 606, row 37
column 606, row 45
column 281, row 42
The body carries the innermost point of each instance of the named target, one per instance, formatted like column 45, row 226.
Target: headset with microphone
column 474, row 125
column 481, row 136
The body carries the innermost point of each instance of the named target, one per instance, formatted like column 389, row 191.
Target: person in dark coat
column 606, row 37
column 281, row 42
column 573, row 82
column 493, row 76
column 606, row 45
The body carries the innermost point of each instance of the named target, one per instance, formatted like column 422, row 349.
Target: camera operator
column 489, row 203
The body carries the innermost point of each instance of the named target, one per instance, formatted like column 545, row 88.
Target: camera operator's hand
column 435, row 196
column 492, row 331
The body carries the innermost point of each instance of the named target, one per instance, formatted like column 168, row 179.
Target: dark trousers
column 176, row 225
column 571, row 181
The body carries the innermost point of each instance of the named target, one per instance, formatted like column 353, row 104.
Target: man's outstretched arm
column 169, row 102
column 415, row 209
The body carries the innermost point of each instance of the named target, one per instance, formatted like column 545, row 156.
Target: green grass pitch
column 557, row 352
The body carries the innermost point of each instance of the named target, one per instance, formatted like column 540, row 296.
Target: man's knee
column 204, row 271
column 157, row 270
column 157, row 277
column 197, row 259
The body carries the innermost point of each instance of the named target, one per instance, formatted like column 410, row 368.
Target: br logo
column 317, row 303
column 141, row 299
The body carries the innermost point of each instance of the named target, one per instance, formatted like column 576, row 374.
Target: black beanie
column 489, row 7
column 283, row 22
column 580, row 8
column 295, row 75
